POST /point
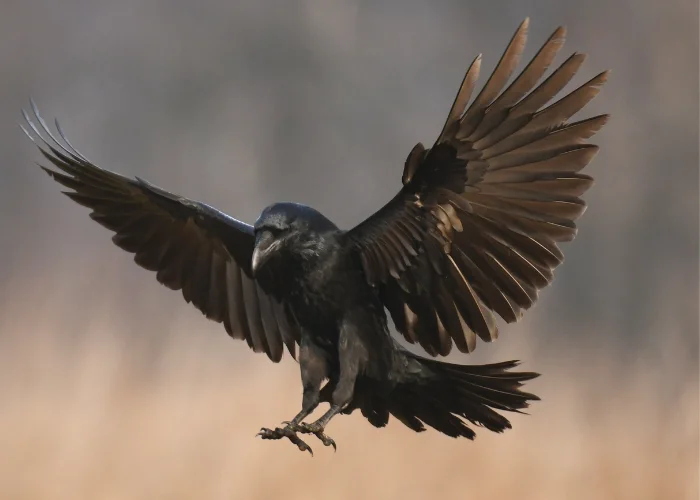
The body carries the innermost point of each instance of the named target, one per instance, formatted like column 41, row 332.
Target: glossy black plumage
column 473, row 233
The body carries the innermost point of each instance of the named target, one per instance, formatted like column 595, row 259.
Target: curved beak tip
column 262, row 252
column 255, row 261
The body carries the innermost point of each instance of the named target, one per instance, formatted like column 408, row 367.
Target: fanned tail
column 458, row 394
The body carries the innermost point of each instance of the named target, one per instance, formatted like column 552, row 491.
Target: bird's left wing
column 474, row 230
column 191, row 246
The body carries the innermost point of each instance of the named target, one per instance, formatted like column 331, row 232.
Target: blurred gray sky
column 240, row 104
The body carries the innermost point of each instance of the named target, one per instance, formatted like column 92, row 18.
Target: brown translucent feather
column 486, row 288
column 270, row 328
column 496, row 81
column 499, row 110
column 476, row 317
column 461, row 100
column 236, row 306
column 252, row 308
column 562, row 163
column 534, row 70
column 449, row 316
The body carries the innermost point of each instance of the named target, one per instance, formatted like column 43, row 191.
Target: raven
column 472, row 233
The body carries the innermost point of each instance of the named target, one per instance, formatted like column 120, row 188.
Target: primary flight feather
column 472, row 234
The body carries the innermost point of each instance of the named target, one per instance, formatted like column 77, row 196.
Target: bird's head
column 285, row 228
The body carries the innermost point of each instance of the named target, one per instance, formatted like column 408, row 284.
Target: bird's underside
column 472, row 234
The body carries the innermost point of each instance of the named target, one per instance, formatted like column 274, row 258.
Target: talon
column 299, row 442
column 317, row 431
column 266, row 433
column 282, row 432
column 327, row 441
column 305, row 447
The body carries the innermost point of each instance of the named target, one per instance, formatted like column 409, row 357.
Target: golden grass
column 89, row 422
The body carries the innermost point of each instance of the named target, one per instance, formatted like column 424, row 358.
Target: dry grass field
column 101, row 421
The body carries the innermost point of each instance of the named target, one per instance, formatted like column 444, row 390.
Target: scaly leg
column 313, row 371
column 351, row 353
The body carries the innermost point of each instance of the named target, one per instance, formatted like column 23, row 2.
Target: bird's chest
column 320, row 288
column 317, row 295
column 323, row 293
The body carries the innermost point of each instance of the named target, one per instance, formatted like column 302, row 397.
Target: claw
column 327, row 440
column 264, row 431
column 305, row 447
column 317, row 431
column 281, row 432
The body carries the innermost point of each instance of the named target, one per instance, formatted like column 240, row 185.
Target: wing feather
column 190, row 246
column 474, row 231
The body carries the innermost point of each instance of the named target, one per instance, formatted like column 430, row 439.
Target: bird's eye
column 274, row 231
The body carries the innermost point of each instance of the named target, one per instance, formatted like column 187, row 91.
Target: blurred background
column 111, row 387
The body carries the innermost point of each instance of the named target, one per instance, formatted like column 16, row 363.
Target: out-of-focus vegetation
column 94, row 424
column 112, row 387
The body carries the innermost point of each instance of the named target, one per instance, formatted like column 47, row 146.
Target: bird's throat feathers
column 302, row 257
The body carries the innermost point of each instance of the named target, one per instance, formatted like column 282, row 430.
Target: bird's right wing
column 191, row 246
column 474, row 231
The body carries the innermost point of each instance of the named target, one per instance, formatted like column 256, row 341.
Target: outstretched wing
column 474, row 230
column 191, row 246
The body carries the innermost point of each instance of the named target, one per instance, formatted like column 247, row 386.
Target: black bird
column 471, row 234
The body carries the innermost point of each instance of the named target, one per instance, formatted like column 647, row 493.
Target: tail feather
column 454, row 393
column 416, row 407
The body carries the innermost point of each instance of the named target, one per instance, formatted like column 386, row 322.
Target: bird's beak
column 265, row 246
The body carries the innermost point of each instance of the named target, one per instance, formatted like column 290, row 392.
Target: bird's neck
column 301, row 260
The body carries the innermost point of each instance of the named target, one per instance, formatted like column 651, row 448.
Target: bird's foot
column 285, row 432
column 317, row 430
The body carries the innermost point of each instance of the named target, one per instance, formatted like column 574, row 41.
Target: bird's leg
column 350, row 353
column 309, row 403
column 318, row 427
column 312, row 374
